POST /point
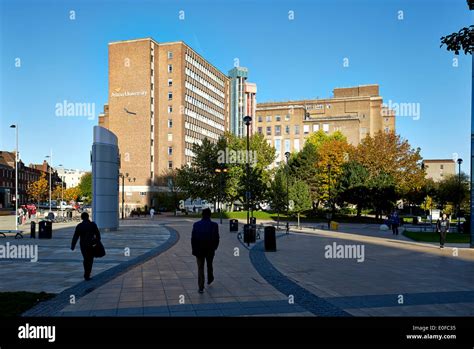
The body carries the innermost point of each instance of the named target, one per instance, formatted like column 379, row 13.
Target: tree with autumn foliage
column 72, row 194
column 390, row 155
column 38, row 190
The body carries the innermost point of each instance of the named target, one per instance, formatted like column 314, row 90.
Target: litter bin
column 334, row 225
column 270, row 239
column 253, row 220
column 45, row 230
column 234, row 225
column 33, row 230
column 250, row 234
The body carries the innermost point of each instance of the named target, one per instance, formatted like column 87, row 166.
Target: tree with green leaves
column 463, row 40
column 85, row 187
column 277, row 193
column 354, row 186
column 300, row 198
column 450, row 192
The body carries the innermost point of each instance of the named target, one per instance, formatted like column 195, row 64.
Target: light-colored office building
column 70, row 177
column 438, row 169
column 354, row 111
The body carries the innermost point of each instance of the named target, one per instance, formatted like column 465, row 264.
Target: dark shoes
column 201, row 290
column 87, row 278
column 210, row 280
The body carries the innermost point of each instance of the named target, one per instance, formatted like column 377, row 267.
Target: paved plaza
column 395, row 277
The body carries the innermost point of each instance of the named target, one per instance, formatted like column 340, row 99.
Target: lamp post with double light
column 459, row 195
column 248, row 121
column 221, row 172
column 50, row 165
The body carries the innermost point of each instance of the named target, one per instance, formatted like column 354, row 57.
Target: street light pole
column 248, row 120
column 459, row 194
column 329, row 198
column 15, row 126
column 121, row 175
column 50, row 156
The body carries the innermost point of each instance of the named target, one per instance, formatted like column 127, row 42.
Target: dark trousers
column 442, row 238
column 88, row 255
column 395, row 229
column 210, row 271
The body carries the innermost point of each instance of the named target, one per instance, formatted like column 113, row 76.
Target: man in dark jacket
column 204, row 242
column 442, row 226
column 89, row 234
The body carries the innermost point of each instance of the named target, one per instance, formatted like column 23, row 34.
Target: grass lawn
column 16, row 303
column 434, row 237
column 262, row 215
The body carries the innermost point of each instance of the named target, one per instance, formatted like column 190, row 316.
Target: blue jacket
column 205, row 238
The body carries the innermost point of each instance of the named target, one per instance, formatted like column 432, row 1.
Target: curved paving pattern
column 55, row 305
column 314, row 304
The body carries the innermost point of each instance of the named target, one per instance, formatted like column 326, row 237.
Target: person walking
column 152, row 213
column 89, row 234
column 395, row 222
column 204, row 243
column 442, row 226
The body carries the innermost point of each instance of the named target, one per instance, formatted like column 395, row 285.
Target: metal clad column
column 105, row 170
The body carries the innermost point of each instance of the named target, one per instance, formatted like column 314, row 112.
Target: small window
column 170, row 123
column 269, row 130
column 170, row 68
column 326, row 128
column 170, row 109
column 277, row 118
column 170, row 82
column 260, row 130
column 170, row 55
column 297, row 129
column 269, row 118
column 277, row 130
column 441, row 167
column 170, row 96
column 305, row 129
column 287, row 129
column 170, row 164
column 260, row 118
column 315, row 127
column 287, row 117
column 170, row 137
column 170, row 150
column 151, row 86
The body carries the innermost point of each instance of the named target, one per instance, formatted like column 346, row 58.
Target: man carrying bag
column 90, row 243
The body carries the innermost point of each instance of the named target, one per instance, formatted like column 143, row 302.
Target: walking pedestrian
column 152, row 212
column 89, row 235
column 442, row 226
column 204, row 243
column 395, row 222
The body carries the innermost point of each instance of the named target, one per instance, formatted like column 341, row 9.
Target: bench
column 18, row 233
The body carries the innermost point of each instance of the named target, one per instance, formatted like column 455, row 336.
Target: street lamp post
column 221, row 189
column 248, row 120
column 15, row 126
column 459, row 194
column 329, row 198
column 287, row 155
column 50, row 156
column 62, row 191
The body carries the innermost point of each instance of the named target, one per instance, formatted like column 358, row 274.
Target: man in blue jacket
column 204, row 243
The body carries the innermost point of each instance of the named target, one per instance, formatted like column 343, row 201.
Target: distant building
column 243, row 101
column 354, row 111
column 26, row 176
column 438, row 169
column 70, row 177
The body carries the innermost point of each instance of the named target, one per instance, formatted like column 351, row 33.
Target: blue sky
column 63, row 59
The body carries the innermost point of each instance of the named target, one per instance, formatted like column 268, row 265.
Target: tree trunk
column 359, row 210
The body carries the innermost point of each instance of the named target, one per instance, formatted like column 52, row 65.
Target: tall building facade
column 243, row 101
column 163, row 98
column 354, row 111
column 70, row 177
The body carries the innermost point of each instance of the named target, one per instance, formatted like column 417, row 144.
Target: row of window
column 268, row 118
column 202, row 68
column 203, row 94
column 200, row 130
column 287, row 145
column 203, row 106
column 287, row 129
column 195, row 76
column 203, row 119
